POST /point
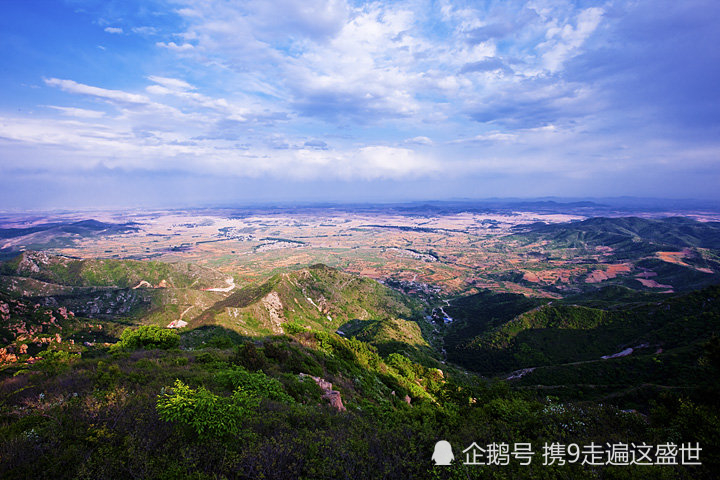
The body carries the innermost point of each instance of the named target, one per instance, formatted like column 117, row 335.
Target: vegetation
column 245, row 389
column 148, row 337
column 160, row 414
column 205, row 414
column 564, row 333
column 107, row 272
column 622, row 233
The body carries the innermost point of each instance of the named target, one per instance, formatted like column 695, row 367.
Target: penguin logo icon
column 443, row 454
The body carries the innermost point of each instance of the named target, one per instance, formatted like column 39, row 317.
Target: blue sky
column 172, row 102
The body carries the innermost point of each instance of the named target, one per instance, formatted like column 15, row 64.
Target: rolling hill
column 317, row 298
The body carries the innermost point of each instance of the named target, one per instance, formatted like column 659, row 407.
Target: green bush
column 302, row 389
column 149, row 337
column 256, row 384
column 249, row 356
column 107, row 375
column 204, row 413
column 221, row 341
column 56, row 361
column 291, row 328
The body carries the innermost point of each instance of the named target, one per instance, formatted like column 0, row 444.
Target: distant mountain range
column 57, row 234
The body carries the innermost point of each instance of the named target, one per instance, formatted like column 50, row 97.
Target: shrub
column 107, row 375
column 56, row 361
column 249, row 356
column 302, row 389
column 204, row 413
column 291, row 328
column 221, row 341
column 207, row 358
column 255, row 384
column 149, row 337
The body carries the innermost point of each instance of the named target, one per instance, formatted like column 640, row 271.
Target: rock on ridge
column 332, row 396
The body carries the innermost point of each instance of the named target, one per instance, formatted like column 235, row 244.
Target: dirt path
column 231, row 284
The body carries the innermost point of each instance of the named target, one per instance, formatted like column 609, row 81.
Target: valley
column 497, row 314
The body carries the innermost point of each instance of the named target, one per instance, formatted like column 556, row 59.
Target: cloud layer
column 584, row 96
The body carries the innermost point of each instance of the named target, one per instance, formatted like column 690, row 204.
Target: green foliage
column 291, row 328
column 208, row 358
column 117, row 426
column 55, row 361
column 203, row 412
column 249, row 356
column 221, row 341
column 325, row 344
column 558, row 334
column 255, row 384
column 148, row 337
column 107, row 375
column 303, row 390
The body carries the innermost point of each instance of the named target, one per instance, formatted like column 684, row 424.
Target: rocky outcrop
column 30, row 260
column 332, row 396
column 102, row 303
column 7, row 356
column 274, row 306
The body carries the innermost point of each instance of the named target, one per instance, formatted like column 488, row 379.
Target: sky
column 206, row 102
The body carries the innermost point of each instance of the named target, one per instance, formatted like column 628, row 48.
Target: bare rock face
column 332, row 396
column 274, row 306
column 6, row 355
column 29, row 262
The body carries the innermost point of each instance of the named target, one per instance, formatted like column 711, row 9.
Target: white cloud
column 318, row 90
column 114, row 95
column 173, row 84
column 419, row 141
column 78, row 112
column 312, row 18
column 565, row 41
column 145, row 30
column 115, row 30
column 184, row 47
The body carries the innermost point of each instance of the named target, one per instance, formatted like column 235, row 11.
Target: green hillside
column 317, row 373
column 477, row 313
column 395, row 335
column 244, row 410
column 661, row 333
column 109, row 272
column 317, row 298
column 622, row 233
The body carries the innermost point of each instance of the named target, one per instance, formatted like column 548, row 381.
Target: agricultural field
column 449, row 252
column 231, row 329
